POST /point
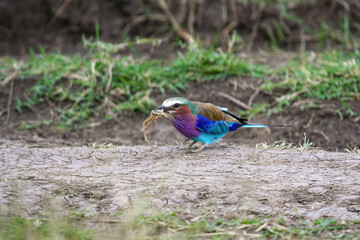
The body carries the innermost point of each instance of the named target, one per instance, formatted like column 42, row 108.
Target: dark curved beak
column 159, row 108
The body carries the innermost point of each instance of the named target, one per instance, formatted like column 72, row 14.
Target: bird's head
column 176, row 105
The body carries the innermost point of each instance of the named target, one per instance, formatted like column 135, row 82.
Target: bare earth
column 223, row 179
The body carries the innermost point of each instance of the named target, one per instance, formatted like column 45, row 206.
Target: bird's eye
column 176, row 105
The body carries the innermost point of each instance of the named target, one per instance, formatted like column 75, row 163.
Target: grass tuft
column 331, row 75
column 281, row 145
column 352, row 150
column 66, row 228
column 137, row 224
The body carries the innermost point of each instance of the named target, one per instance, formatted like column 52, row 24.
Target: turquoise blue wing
column 215, row 127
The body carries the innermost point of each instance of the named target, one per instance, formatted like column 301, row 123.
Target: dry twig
column 191, row 18
column 9, row 103
column 255, row 28
column 108, row 85
column 320, row 132
column 9, row 78
column 309, row 122
column 234, row 100
column 59, row 12
column 253, row 96
column 181, row 32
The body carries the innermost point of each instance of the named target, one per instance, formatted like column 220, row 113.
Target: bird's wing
column 216, row 113
column 215, row 127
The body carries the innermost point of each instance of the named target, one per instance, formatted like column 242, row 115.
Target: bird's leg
column 200, row 148
column 188, row 146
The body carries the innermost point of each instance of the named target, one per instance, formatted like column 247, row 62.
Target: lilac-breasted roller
column 201, row 122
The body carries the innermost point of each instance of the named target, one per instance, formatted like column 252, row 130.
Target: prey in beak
column 160, row 112
column 166, row 110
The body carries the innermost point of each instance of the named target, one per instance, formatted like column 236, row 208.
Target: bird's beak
column 159, row 108
column 160, row 111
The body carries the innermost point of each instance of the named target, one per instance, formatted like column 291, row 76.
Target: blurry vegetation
column 51, row 227
column 76, row 87
column 288, row 24
column 291, row 24
column 136, row 224
column 354, row 150
column 318, row 76
column 79, row 87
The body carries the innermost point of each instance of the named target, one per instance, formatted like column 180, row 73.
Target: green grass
column 77, row 88
column 136, row 224
column 316, row 77
column 105, row 83
column 321, row 76
column 352, row 150
column 66, row 228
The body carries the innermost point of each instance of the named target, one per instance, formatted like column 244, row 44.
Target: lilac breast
column 186, row 125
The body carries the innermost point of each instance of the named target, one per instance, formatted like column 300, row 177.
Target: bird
column 201, row 122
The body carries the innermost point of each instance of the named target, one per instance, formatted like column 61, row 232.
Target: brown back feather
column 212, row 112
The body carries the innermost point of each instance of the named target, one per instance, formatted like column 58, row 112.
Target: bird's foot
column 199, row 149
column 187, row 147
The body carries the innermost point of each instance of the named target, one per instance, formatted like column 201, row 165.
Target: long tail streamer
column 256, row 125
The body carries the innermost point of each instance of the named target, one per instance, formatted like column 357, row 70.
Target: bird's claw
column 187, row 147
column 199, row 149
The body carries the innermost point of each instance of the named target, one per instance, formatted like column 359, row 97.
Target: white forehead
column 171, row 101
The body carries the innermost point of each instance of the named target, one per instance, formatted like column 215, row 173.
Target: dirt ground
column 47, row 168
column 322, row 126
column 222, row 180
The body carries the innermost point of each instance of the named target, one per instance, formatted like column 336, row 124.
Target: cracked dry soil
column 223, row 180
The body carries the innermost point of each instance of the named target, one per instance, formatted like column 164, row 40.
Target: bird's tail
column 244, row 122
column 256, row 125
